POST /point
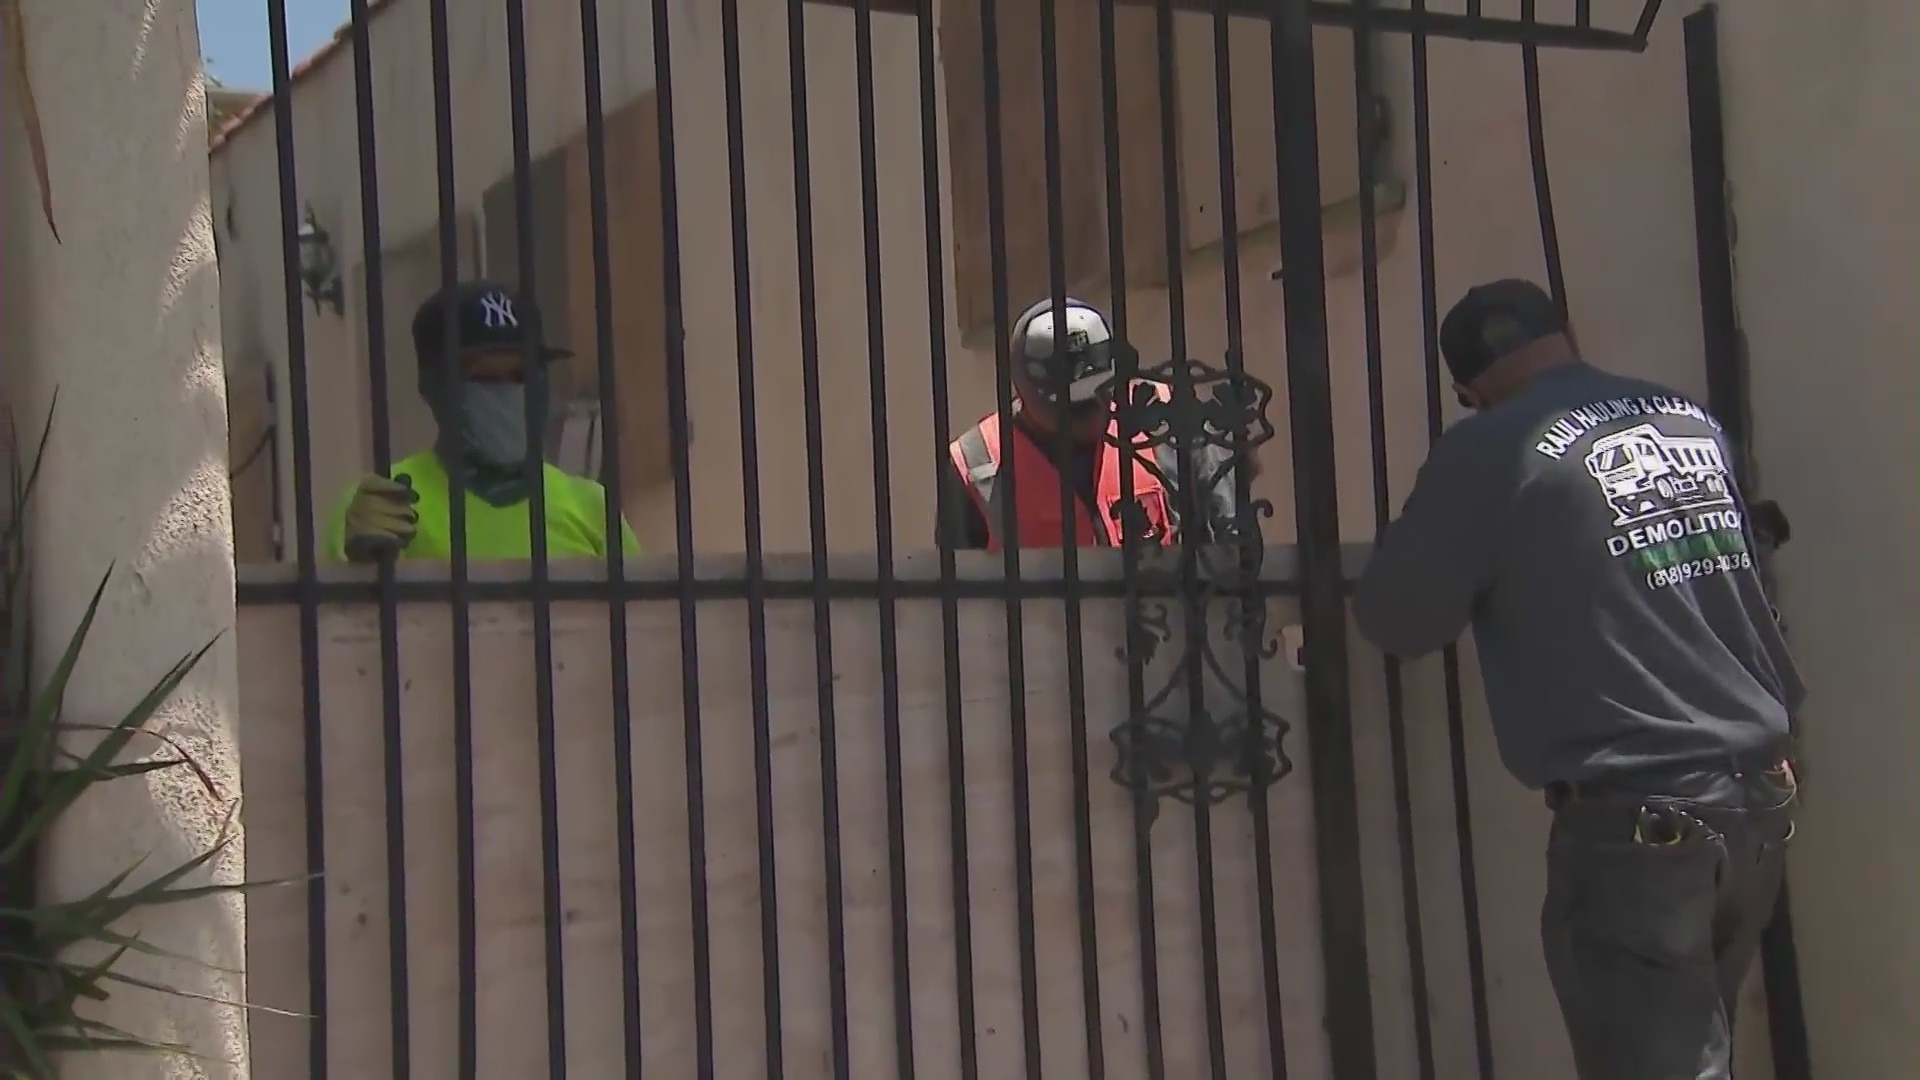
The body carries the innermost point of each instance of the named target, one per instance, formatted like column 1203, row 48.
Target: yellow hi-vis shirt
column 576, row 518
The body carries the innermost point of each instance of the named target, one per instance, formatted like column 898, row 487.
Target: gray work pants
column 1655, row 905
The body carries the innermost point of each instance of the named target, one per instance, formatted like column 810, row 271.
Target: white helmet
column 1067, row 352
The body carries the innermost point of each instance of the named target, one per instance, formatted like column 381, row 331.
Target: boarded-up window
column 1194, row 118
column 1019, row 90
column 637, row 295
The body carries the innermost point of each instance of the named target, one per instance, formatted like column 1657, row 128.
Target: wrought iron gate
column 1199, row 730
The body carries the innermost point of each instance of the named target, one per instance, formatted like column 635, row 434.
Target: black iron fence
column 1200, row 730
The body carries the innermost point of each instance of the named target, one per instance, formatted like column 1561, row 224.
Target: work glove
column 381, row 519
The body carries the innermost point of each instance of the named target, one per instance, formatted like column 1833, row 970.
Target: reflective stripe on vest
column 978, row 454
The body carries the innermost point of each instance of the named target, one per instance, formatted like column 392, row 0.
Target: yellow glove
column 381, row 519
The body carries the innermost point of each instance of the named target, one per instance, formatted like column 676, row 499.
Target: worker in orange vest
column 1065, row 424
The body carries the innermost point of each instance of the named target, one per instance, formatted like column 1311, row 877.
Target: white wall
column 120, row 317
column 1826, row 181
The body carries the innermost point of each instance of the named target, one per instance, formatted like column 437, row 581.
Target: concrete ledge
column 1281, row 563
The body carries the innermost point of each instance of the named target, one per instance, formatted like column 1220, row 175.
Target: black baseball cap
column 485, row 315
column 1493, row 320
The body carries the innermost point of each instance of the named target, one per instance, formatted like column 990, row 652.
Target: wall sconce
column 320, row 266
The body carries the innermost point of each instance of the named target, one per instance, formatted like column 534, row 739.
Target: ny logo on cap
column 496, row 312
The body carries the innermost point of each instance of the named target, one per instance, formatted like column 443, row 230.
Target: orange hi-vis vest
column 1035, row 518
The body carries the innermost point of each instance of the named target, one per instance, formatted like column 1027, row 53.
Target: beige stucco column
column 1824, row 170
column 121, row 317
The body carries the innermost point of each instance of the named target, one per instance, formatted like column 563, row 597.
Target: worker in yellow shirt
column 477, row 386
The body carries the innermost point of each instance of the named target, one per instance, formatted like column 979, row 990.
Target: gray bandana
column 493, row 417
column 486, row 440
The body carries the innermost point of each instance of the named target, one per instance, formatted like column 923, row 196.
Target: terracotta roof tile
column 341, row 43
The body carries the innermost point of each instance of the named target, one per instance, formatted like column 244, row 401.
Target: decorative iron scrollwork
column 1202, row 735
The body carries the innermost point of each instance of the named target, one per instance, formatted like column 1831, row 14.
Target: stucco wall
column 1825, row 173
column 120, row 317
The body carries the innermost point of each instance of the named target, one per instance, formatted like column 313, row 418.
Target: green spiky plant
column 45, row 992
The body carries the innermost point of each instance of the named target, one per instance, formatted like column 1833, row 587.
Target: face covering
column 492, row 443
column 493, row 417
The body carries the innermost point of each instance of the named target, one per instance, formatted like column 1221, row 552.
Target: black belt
column 1673, row 778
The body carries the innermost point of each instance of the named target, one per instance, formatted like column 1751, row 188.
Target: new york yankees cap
column 485, row 315
column 1493, row 320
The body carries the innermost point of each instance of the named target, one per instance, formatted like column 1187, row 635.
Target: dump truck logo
column 1645, row 474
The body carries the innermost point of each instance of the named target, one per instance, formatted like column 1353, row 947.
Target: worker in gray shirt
column 1587, row 526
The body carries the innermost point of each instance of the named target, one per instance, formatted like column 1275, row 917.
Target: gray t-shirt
column 1590, row 531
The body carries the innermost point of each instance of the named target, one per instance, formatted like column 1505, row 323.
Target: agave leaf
column 73, row 980
column 16, row 31
column 84, row 982
column 19, row 655
column 103, row 910
column 122, row 1043
column 97, row 896
column 67, row 787
column 93, row 1035
column 213, row 999
column 19, row 667
column 119, row 772
column 40, row 720
column 161, row 897
column 186, row 756
column 76, row 931
column 23, row 486
column 30, row 1048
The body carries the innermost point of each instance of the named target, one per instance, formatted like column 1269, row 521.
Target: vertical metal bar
column 313, row 742
column 1557, row 286
column 1143, row 805
column 1091, row 1011
column 1010, row 545
column 1364, row 109
column 1537, row 153
column 274, row 491
column 941, row 407
column 1583, row 13
column 465, row 855
column 393, row 761
column 1243, row 503
column 756, row 564
column 1786, row 1008
column 1727, row 400
column 883, row 544
column 1323, row 611
column 537, row 382
column 1644, row 27
column 814, row 424
column 1450, row 657
column 615, row 526
column 679, row 441
column 1713, row 241
column 1193, row 615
